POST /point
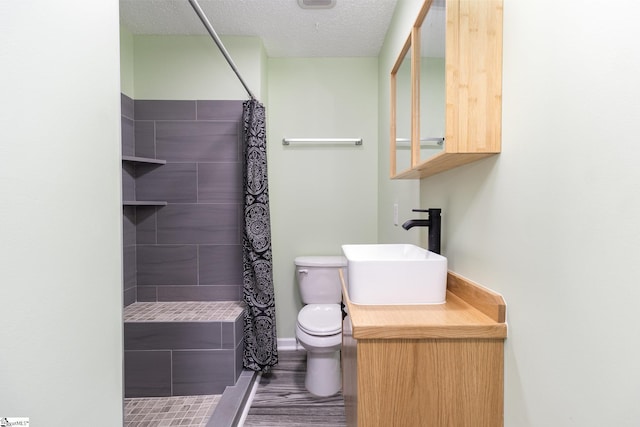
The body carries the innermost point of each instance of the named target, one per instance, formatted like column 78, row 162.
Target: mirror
column 401, row 103
column 418, row 92
column 456, row 88
column 431, row 79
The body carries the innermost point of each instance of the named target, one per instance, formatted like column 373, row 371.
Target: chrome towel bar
column 289, row 141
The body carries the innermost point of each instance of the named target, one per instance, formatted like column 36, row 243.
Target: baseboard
column 289, row 344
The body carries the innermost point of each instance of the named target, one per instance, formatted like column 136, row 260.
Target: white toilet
column 319, row 326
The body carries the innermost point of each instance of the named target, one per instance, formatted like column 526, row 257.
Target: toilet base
column 323, row 376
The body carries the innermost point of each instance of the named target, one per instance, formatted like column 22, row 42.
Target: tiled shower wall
column 128, row 193
column 190, row 249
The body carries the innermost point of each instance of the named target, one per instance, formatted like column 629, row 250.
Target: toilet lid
column 320, row 319
column 320, row 261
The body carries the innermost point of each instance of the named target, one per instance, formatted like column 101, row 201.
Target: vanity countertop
column 470, row 311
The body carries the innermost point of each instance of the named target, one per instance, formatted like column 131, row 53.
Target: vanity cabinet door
column 430, row 382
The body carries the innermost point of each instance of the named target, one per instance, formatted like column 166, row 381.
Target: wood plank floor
column 282, row 401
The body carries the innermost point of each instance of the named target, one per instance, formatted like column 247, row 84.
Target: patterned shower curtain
column 260, row 341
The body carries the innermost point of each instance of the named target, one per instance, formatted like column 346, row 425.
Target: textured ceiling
column 351, row 28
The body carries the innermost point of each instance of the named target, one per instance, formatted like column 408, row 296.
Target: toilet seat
column 320, row 319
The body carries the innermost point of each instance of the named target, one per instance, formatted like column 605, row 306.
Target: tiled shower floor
column 186, row 311
column 192, row 411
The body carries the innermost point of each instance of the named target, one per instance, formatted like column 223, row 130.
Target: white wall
column 321, row 196
column 60, row 232
column 552, row 222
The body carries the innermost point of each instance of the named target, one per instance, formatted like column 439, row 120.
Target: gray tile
column 127, row 134
column 202, row 372
column 220, row 182
column 146, row 224
column 238, row 357
column 147, row 373
column 167, row 265
column 164, row 110
column 220, row 110
column 126, row 106
column 207, row 133
column 128, row 181
column 129, row 296
column 220, row 264
column 238, row 326
column 145, row 139
column 199, row 293
column 146, row 293
column 228, row 335
column 201, row 223
column 172, row 335
column 184, row 311
column 128, row 225
column 129, row 267
column 197, row 141
column 173, row 183
column 185, row 411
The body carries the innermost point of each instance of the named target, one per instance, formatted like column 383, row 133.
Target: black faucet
column 434, row 227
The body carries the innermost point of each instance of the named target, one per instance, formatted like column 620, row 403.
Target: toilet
column 319, row 325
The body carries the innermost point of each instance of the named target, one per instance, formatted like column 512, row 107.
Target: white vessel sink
column 395, row 274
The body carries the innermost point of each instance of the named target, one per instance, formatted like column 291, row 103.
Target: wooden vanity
column 426, row 365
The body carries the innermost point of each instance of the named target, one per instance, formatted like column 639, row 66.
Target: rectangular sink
column 395, row 274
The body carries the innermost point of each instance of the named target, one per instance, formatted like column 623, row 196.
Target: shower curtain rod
column 218, row 42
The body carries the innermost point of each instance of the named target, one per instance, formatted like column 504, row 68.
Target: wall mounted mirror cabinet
column 456, row 88
column 401, row 107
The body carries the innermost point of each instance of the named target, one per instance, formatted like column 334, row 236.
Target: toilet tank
column 318, row 278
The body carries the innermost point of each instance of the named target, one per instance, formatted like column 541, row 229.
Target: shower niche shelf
column 135, row 161
column 143, row 203
column 143, row 160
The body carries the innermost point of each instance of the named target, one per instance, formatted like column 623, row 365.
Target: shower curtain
column 260, row 340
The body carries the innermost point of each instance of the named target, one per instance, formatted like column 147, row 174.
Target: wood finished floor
column 282, row 401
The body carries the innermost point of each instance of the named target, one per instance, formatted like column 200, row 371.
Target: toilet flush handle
column 303, row 271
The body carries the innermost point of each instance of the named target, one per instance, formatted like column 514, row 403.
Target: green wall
column 126, row 62
column 192, row 67
column 321, row 195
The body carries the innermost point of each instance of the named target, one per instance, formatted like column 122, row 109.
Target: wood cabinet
column 428, row 365
column 473, row 88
